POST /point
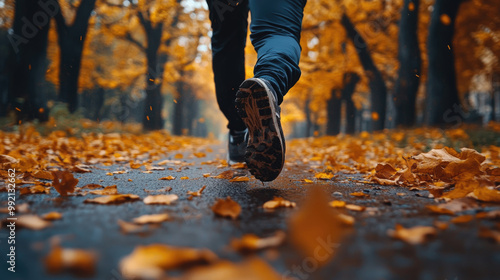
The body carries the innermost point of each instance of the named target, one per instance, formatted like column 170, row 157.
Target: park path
column 366, row 252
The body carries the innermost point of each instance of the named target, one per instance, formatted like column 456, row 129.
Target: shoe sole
column 265, row 154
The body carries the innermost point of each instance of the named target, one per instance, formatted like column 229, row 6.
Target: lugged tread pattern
column 265, row 150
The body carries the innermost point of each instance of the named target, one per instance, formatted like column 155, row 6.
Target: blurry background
column 134, row 65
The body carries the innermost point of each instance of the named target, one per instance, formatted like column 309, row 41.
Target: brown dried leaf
column 359, row 194
column 151, row 261
column 161, row 199
column 32, row 222
column 198, row 192
column 227, row 208
column 316, row 225
column 384, row 171
column 462, row 219
column 354, row 207
column 324, row 176
column 109, row 190
column 251, row 242
column 228, row 174
column 415, row 235
column 78, row 261
column 151, row 219
column 249, row 269
column 278, row 202
column 92, row 186
column 337, row 204
column 167, row 178
column 45, row 175
column 52, row 216
column 490, row 234
column 113, row 199
column 240, row 179
column 127, row 227
column 64, row 182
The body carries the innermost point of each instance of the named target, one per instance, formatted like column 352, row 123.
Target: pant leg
column 229, row 26
column 275, row 34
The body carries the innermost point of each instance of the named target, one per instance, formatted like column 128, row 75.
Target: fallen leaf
column 199, row 155
column 384, row 171
column 78, row 261
column 495, row 214
column 250, row 269
column 489, row 234
column 92, row 186
column 239, row 165
column 308, row 181
column 251, row 242
column 113, row 199
column 161, row 199
column 155, row 168
column 354, row 207
column 109, row 190
column 359, row 194
column 414, row 235
column 45, row 175
column 52, row 216
column 36, row 189
column 324, row 176
column 64, row 182
column 151, row 261
column 151, row 219
column 228, row 174
column 462, row 219
column 227, row 208
column 185, row 178
column 316, row 225
column 439, row 210
column 5, row 159
column 278, row 202
column 337, row 204
column 346, row 219
column 240, row 179
column 197, row 193
column 32, row 222
column 487, row 194
column 167, row 178
column 127, row 227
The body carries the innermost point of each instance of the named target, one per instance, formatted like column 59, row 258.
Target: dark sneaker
column 237, row 145
column 258, row 107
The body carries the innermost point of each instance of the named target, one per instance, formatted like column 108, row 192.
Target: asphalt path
column 367, row 253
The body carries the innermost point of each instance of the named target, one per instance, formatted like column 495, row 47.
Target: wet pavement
column 368, row 253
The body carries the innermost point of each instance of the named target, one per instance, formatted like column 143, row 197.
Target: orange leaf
column 415, row 235
column 64, row 182
column 227, row 208
column 113, row 199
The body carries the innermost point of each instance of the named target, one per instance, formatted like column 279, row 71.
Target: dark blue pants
column 275, row 34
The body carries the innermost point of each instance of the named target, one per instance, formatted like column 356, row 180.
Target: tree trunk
column 178, row 114
column 333, row 113
column 350, row 80
column 27, row 61
column 409, row 65
column 69, row 72
column 442, row 94
column 71, row 39
column 376, row 82
column 153, row 105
